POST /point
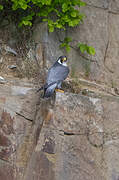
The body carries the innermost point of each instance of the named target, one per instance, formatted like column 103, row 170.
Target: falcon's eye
column 61, row 60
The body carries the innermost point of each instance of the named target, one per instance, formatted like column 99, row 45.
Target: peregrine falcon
column 57, row 73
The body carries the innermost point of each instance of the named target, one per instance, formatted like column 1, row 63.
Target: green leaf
column 82, row 3
column 64, row 7
column 82, row 47
column 81, row 17
column 51, row 28
column 14, row 6
column 67, row 48
column 1, row 7
column 91, row 50
column 59, row 26
column 46, row 2
column 71, row 23
column 24, row 6
column 62, row 45
column 73, row 14
column 57, row 12
column 67, row 39
column 26, row 23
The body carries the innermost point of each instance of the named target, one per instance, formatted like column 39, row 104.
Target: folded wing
column 50, row 90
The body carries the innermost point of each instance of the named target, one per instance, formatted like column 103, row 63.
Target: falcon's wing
column 57, row 73
column 50, row 90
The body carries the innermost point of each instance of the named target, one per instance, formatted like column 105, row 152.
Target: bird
column 57, row 73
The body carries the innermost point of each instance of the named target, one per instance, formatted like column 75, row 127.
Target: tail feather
column 40, row 89
column 46, row 86
column 49, row 88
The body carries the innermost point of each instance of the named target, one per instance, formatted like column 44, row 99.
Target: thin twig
column 24, row 117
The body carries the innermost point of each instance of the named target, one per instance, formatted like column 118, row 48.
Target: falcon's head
column 62, row 60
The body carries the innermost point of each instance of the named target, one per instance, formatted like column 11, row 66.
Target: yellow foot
column 59, row 90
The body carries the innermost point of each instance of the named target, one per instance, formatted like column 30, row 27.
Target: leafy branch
column 65, row 44
column 85, row 48
column 82, row 47
column 57, row 13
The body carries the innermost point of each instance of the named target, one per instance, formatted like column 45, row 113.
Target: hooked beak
column 64, row 59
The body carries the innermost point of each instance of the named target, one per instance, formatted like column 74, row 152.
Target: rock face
column 73, row 137
column 77, row 140
column 69, row 136
column 13, row 99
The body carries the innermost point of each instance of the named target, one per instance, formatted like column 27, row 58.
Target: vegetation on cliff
column 59, row 14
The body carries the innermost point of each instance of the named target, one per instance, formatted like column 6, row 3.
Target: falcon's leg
column 58, row 89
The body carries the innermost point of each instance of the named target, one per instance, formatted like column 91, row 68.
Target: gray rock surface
column 77, row 140
column 114, row 6
column 101, row 4
column 94, row 32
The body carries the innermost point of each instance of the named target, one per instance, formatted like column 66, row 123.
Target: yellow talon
column 59, row 90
